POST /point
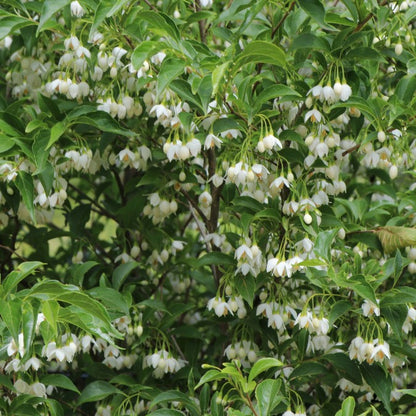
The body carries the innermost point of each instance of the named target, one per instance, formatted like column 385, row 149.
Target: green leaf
column 174, row 395
column 263, row 365
column 5, row 143
column 314, row 9
column 97, row 390
column 16, row 276
column 261, row 52
column 310, row 41
column 56, row 132
column 59, row 380
column 112, row 299
column 205, row 91
column 380, row 382
column 345, row 367
column 144, row 50
column 104, row 122
column 54, row 290
column 275, row 91
column 246, row 287
column 348, row 406
column 78, row 271
column 364, row 53
column 337, row 310
column 50, row 308
column 218, row 76
column 9, row 24
column 395, row 316
column 406, row 88
column 166, row 412
column 121, row 273
column 11, row 313
column 49, row 8
column 184, row 90
column 24, row 183
column 267, row 396
column 308, row 369
column 29, row 319
column 161, row 24
column 323, row 244
column 215, row 258
column 210, row 375
column 77, row 219
column 169, row 70
column 40, row 154
column 8, row 129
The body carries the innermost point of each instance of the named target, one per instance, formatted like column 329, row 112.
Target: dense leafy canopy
column 206, row 207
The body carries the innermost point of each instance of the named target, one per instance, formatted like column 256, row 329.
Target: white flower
column 206, row 3
column 221, row 308
column 369, row 308
column 76, row 9
column 380, row 351
column 205, row 199
column 270, row 141
column 314, row 115
column 194, row 147
column 329, row 94
column 212, row 141
column 345, row 92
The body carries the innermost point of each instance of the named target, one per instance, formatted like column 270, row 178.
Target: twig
column 12, row 252
column 201, row 23
column 282, row 20
column 350, row 150
column 120, row 187
column 101, row 210
column 150, row 5
column 195, row 205
column 207, row 244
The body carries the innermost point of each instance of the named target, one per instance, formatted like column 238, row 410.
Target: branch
column 195, row 205
column 282, row 20
column 100, row 209
column 150, row 5
column 201, row 23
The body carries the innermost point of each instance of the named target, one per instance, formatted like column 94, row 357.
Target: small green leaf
column 161, row 24
column 215, row 258
column 5, row 143
column 210, row 375
column 166, row 412
column 174, row 395
column 9, row 24
column 261, row 52
column 184, row 90
column 59, row 380
column 267, row 396
column 263, row 365
column 56, row 132
column 97, row 390
column 314, row 9
column 112, row 299
column 169, row 70
column 24, row 183
column 121, row 273
column 144, row 50
column 323, row 244
column 16, row 276
column 246, row 287
column 218, row 76
column 49, row 8
column 380, row 382
column 11, row 313
column 348, row 406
